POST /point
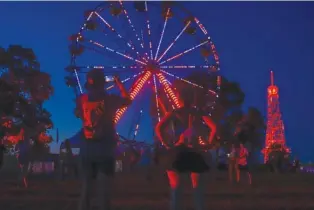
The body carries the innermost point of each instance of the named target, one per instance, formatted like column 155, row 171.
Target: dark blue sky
column 251, row 38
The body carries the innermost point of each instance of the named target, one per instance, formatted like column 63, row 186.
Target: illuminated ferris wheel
column 148, row 44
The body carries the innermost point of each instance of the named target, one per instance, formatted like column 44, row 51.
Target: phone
column 109, row 78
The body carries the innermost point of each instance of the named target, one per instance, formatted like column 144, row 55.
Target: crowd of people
column 186, row 155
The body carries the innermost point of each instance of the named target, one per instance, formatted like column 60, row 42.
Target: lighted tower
column 275, row 136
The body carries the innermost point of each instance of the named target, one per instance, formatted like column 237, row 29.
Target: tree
column 24, row 89
column 256, row 120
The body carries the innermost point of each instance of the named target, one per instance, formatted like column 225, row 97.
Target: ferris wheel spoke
column 184, row 52
column 164, row 82
column 137, row 126
column 209, row 67
column 149, row 32
column 174, row 41
column 85, row 24
column 156, row 98
column 182, row 79
column 200, row 25
column 169, row 99
column 126, row 80
column 162, row 33
column 82, row 68
column 131, row 24
column 187, row 81
column 128, row 43
column 139, row 84
column 78, row 81
column 116, row 52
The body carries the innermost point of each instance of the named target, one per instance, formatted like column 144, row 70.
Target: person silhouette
column 185, row 155
column 97, row 109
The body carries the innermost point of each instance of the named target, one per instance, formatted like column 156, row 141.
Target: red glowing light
column 169, row 90
column 275, row 127
column 139, row 84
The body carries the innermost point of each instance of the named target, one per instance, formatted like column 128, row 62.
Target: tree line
column 23, row 90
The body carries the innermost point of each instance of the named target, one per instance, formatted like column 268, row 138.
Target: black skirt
column 185, row 160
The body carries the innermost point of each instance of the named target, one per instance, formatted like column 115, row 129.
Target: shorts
column 243, row 167
column 186, row 160
column 91, row 167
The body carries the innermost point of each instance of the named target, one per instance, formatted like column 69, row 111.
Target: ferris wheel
column 149, row 45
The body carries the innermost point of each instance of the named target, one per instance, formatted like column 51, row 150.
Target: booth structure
column 75, row 142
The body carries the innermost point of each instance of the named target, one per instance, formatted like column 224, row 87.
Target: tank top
column 186, row 125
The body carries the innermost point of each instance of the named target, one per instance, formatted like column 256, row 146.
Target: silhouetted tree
column 24, row 88
column 256, row 120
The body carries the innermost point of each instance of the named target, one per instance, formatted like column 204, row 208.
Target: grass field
column 133, row 192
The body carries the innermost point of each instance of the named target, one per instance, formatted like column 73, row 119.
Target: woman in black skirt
column 185, row 155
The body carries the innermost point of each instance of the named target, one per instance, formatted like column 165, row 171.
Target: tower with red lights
column 275, row 136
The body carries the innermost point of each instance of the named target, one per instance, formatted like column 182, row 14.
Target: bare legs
column 24, row 170
column 249, row 177
column 198, row 185
column 231, row 169
column 238, row 173
column 175, row 190
column 23, row 174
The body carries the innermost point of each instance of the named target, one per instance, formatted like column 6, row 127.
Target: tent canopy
column 75, row 140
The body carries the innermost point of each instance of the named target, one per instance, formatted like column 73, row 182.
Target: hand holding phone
column 109, row 78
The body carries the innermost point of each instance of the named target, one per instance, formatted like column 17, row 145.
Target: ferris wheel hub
column 152, row 66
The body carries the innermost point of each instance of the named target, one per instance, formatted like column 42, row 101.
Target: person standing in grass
column 232, row 159
column 186, row 155
column 2, row 151
column 242, row 164
column 24, row 157
column 97, row 109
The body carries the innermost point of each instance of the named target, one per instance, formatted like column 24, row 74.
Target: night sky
column 250, row 37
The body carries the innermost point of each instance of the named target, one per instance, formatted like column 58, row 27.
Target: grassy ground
column 285, row 191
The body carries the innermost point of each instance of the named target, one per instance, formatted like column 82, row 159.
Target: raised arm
column 212, row 127
column 161, row 126
column 126, row 99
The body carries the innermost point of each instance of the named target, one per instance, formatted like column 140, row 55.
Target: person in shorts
column 186, row 155
column 242, row 164
column 97, row 109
